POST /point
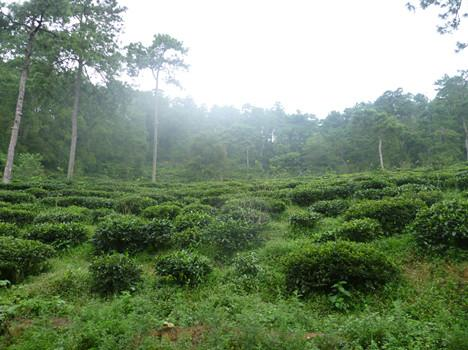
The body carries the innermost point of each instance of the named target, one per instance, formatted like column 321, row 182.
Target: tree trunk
column 74, row 119
column 381, row 154
column 247, row 157
column 156, row 128
column 465, row 127
column 7, row 174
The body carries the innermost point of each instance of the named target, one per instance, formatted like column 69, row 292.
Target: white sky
column 312, row 55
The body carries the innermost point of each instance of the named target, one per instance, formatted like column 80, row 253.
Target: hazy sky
column 312, row 55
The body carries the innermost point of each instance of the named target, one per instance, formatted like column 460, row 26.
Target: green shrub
column 18, row 216
column 8, row 229
column 376, row 193
column 360, row 230
column 158, row 233
column 183, row 268
column 62, row 215
column 21, row 257
column 198, row 208
column 304, row 220
column 442, row 226
column 189, row 238
column 114, row 273
column 372, row 183
column 249, row 215
column 97, row 215
column 60, row 236
column 16, row 197
column 247, row 264
column 392, row 213
column 37, row 192
column 87, row 202
column 268, row 205
column 163, row 211
column 461, row 180
column 330, row 208
column 307, row 195
column 192, row 220
column 120, row 233
column 227, row 235
column 133, row 204
column 320, row 266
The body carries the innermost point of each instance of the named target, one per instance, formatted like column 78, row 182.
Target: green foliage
column 392, row 213
column 319, row 267
column 133, row 204
column 304, row 220
column 8, row 229
column 29, row 167
column 189, row 238
column 80, row 201
column 268, row 205
column 163, row 211
column 197, row 207
column 19, row 258
column 183, row 268
column 18, row 216
column 442, row 226
column 333, row 207
column 62, row 215
column 249, row 215
column 307, row 195
column 158, row 233
column 15, row 197
column 192, row 220
column 60, row 236
column 116, row 273
column 360, row 230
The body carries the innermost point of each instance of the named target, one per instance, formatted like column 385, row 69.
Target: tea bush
column 189, row 238
column 133, row 204
column 198, row 208
column 17, row 216
column 158, row 233
column 192, row 220
column 333, row 207
column 307, row 195
column 120, row 233
column 80, row 201
column 304, row 220
column 21, row 257
column 62, row 215
column 8, row 229
column 114, row 273
column 392, row 213
column 16, row 197
column 163, row 211
column 268, row 205
column 249, row 215
column 442, row 226
column 60, row 236
column 183, row 268
column 320, row 266
column 360, row 230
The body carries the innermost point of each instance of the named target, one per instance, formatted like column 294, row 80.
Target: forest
column 136, row 220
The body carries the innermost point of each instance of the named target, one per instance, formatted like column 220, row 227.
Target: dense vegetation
column 359, row 261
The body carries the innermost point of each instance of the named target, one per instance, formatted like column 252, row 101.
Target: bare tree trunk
column 465, row 127
column 74, row 118
column 247, row 158
column 156, row 128
column 381, row 154
column 7, row 174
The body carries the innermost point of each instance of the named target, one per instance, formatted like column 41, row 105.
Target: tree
column 22, row 25
column 90, row 44
column 164, row 56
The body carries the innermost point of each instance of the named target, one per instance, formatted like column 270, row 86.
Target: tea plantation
column 359, row 261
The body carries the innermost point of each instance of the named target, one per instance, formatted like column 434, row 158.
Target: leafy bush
column 304, row 220
column 442, row 226
column 158, row 233
column 163, row 211
column 60, row 236
column 330, row 208
column 268, row 205
column 15, row 197
column 372, row 183
column 307, row 195
column 37, row 192
column 249, row 215
column 360, row 230
column 29, row 166
column 247, row 264
column 392, row 213
column 133, row 204
column 189, row 238
column 376, row 193
column 8, row 229
column 183, row 268
column 20, row 257
column 192, row 220
column 62, row 215
column 320, row 266
column 227, row 235
column 198, row 208
column 114, row 273
column 18, row 216
column 120, row 233
column 80, row 201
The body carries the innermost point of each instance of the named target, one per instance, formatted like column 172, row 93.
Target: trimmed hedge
column 392, row 213
column 87, row 202
column 442, row 226
column 22, row 257
column 60, row 236
column 62, row 215
column 18, row 216
column 163, row 211
column 307, row 195
column 192, row 220
column 16, row 197
column 114, row 274
column 332, row 208
column 133, row 204
column 360, row 230
column 320, row 266
column 304, row 220
column 183, row 268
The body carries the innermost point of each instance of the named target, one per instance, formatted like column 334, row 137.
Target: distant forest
column 70, row 62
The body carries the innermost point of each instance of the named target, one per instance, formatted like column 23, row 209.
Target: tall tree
column 91, row 44
column 22, row 25
column 164, row 56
